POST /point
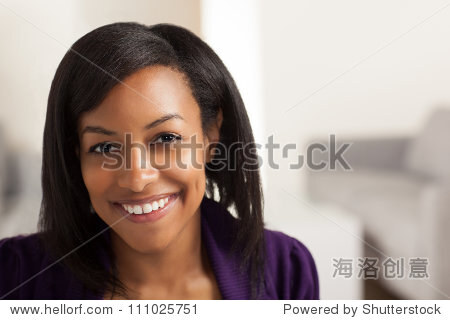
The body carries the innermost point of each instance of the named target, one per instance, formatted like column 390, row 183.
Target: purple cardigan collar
column 217, row 226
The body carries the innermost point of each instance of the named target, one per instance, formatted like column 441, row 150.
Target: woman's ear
column 213, row 135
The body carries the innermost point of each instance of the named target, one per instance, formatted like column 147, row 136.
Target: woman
column 137, row 124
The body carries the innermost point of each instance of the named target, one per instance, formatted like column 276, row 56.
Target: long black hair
column 89, row 70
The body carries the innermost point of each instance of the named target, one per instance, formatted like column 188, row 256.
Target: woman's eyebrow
column 101, row 130
column 163, row 119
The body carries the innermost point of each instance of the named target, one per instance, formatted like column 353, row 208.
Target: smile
column 147, row 210
column 146, row 207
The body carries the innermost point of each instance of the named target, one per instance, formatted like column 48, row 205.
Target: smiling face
column 154, row 110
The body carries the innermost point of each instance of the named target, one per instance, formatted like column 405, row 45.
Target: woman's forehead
column 150, row 93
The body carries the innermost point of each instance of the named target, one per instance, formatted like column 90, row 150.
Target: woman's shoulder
column 19, row 255
column 20, row 244
column 20, row 250
column 290, row 270
column 29, row 272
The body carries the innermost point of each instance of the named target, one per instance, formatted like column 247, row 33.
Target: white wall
column 355, row 73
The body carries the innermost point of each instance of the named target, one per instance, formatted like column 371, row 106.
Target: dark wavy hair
column 89, row 70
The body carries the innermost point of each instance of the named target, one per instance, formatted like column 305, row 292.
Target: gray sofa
column 400, row 187
column 20, row 189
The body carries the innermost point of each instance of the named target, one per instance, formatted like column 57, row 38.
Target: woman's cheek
column 188, row 162
column 96, row 178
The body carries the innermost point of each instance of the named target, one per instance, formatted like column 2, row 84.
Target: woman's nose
column 137, row 171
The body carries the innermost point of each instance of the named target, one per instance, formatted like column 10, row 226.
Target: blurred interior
column 374, row 74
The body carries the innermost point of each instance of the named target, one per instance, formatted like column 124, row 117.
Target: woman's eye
column 104, row 147
column 167, row 138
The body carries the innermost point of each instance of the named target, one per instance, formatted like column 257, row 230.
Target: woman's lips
column 141, row 216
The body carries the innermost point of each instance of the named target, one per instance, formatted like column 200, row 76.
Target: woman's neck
column 166, row 271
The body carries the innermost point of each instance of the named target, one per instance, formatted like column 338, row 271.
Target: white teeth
column 128, row 208
column 137, row 209
column 147, row 207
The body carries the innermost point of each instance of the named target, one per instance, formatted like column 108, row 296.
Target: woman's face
column 143, row 149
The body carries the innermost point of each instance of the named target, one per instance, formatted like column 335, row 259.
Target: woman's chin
column 145, row 243
column 150, row 246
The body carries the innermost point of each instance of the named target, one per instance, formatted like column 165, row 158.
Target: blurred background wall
column 306, row 70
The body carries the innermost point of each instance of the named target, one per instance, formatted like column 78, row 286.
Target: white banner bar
column 195, row 309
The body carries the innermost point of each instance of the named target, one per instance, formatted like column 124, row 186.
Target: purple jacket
column 290, row 270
